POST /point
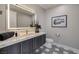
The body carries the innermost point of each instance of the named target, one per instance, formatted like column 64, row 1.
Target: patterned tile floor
column 49, row 48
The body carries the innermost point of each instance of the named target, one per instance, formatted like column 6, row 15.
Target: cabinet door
column 43, row 39
column 4, row 51
column 26, row 46
column 13, row 49
column 38, row 41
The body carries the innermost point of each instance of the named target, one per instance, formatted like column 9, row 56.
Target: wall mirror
column 20, row 17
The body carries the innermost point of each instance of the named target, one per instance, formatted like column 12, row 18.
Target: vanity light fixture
column 8, row 15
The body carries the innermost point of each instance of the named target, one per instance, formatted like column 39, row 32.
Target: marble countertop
column 18, row 39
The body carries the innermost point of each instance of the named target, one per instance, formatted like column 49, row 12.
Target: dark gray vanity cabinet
column 38, row 41
column 30, row 45
column 25, row 47
column 43, row 40
column 12, row 49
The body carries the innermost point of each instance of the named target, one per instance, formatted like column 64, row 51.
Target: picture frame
column 59, row 21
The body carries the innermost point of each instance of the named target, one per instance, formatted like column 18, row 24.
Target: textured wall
column 68, row 36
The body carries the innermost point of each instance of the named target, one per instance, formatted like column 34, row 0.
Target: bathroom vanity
column 22, row 20
column 22, row 45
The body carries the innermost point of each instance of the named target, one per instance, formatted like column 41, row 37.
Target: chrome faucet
column 26, row 31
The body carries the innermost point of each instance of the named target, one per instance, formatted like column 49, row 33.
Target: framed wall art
column 59, row 21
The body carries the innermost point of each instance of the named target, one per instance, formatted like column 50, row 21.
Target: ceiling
column 48, row 6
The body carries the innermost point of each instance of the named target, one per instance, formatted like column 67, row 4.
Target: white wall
column 2, row 18
column 69, row 35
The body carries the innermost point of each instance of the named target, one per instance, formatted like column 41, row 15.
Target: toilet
column 49, row 40
column 48, row 43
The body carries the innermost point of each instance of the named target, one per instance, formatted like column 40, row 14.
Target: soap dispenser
column 16, row 34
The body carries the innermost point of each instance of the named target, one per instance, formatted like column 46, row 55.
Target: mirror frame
column 24, row 8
